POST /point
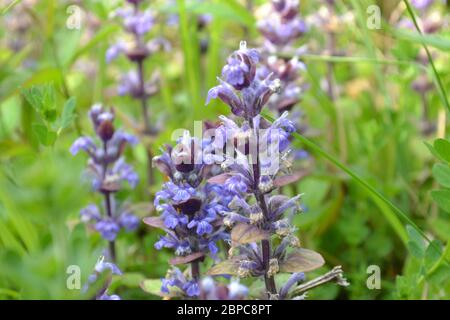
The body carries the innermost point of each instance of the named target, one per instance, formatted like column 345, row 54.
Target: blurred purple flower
column 108, row 229
column 128, row 221
column 422, row 4
column 137, row 22
column 115, row 50
column 108, row 169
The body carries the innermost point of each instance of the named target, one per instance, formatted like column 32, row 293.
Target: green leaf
column 42, row 99
column 390, row 211
column 9, row 6
column 432, row 255
column 437, row 77
column 442, row 147
column 7, row 239
column 189, row 40
column 416, row 245
column 41, row 132
column 406, row 286
column 442, row 198
column 441, row 274
column 45, row 136
column 230, row 10
column 415, row 250
column 441, row 173
column 302, row 260
column 129, row 279
column 100, row 36
column 152, row 286
column 68, row 113
column 50, row 115
column 433, row 151
column 436, row 41
column 20, row 225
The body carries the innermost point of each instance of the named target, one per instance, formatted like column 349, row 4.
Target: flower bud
column 105, row 130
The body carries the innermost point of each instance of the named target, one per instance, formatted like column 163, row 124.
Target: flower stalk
column 138, row 23
column 257, row 164
column 108, row 170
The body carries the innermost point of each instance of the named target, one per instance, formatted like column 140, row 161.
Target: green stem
column 443, row 94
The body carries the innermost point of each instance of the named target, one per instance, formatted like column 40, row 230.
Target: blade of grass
column 387, row 207
column 7, row 240
column 349, row 59
column 23, row 227
column 431, row 40
column 437, row 78
column 9, row 6
column 191, row 59
column 367, row 39
column 392, row 215
column 100, row 37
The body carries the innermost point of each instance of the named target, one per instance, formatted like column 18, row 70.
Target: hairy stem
column 195, row 270
column 424, row 101
column 112, row 244
column 265, row 244
column 147, row 127
column 144, row 106
column 107, row 194
column 143, row 96
column 330, row 68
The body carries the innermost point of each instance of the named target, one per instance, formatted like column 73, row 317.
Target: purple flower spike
column 83, row 143
column 125, row 172
column 108, row 229
column 225, row 93
column 241, row 67
column 256, row 165
column 191, row 288
column 115, row 50
column 101, row 266
column 190, row 210
column 236, row 185
column 129, row 221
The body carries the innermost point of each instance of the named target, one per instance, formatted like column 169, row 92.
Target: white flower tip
column 243, row 45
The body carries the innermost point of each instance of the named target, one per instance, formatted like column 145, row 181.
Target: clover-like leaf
column 442, row 198
column 442, row 147
column 301, row 260
column 244, row 233
column 45, row 135
column 441, row 173
column 68, row 113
